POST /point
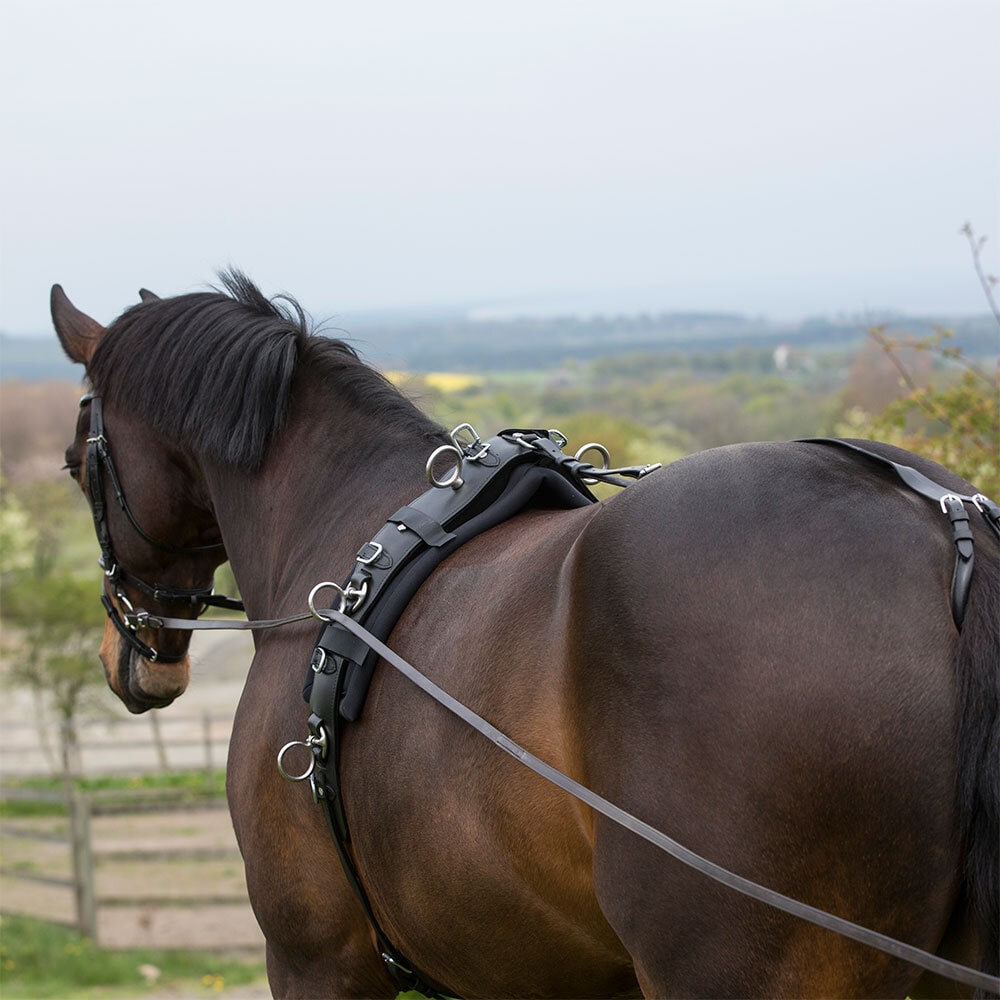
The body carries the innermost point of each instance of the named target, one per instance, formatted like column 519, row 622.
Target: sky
column 778, row 157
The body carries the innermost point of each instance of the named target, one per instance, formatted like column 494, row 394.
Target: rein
column 352, row 596
column 828, row 921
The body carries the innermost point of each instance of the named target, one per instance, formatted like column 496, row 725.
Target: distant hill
column 35, row 359
column 508, row 344
column 455, row 344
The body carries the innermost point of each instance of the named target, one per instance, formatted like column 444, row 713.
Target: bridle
column 98, row 460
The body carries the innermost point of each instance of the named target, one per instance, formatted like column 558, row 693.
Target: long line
column 882, row 942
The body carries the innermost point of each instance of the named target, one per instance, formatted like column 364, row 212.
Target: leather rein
column 98, row 457
column 881, row 942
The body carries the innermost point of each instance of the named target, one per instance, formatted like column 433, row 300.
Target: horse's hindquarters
column 772, row 689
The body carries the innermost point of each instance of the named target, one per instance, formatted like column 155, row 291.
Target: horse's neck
column 327, row 485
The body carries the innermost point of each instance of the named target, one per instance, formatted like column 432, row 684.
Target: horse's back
column 763, row 669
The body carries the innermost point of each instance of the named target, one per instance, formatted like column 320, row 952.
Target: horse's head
column 159, row 540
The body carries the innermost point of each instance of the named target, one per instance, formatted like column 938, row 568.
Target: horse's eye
column 73, row 468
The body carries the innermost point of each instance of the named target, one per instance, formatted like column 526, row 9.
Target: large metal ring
column 600, row 449
column 312, row 599
column 454, row 478
column 281, row 757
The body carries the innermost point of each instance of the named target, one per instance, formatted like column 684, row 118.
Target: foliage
column 17, row 537
column 950, row 411
column 52, row 617
column 59, row 622
column 39, row 959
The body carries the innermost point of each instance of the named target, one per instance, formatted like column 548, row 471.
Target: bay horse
column 752, row 650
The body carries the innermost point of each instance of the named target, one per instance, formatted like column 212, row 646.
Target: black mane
column 215, row 369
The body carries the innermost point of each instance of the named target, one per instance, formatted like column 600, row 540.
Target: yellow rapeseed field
column 445, row 381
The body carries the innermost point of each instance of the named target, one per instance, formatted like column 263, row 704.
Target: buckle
column 367, row 560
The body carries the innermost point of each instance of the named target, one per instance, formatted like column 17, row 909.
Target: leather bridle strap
column 99, row 461
column 98, row 454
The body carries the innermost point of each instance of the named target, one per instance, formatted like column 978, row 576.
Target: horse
column 751, row 649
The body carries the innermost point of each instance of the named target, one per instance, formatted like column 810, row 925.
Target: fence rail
column 29, row 748
column 85, row 858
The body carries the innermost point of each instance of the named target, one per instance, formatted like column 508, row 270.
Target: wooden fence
column 130, row 867
column 85, row 859
column 117, row 745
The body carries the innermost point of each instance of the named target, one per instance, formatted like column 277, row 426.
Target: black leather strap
column 952, row 504
column 497, row 481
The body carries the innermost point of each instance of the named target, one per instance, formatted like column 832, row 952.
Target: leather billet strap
column 953, row 505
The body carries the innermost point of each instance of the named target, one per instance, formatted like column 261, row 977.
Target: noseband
column 99, row 459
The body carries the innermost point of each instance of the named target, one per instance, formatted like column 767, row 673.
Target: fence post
column 206, row 734
column 83, row 861
column 161, row 749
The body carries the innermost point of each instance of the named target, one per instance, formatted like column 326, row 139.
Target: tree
column 53, row 645
column 951, row 415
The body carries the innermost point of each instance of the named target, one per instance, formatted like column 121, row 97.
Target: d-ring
column 312, row 598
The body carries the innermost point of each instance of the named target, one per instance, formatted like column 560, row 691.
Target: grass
column 185, row 785
column 43, row 960
column 46, row 961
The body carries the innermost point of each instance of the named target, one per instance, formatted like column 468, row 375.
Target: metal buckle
column 368, row 560
column 473, row 450
column 523, row 441
column 947, row 506
column 983, row 503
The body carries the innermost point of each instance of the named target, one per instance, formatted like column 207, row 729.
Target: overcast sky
column 780, row 156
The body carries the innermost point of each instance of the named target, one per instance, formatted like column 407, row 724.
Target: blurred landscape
column 114, row 829
column 684, row 381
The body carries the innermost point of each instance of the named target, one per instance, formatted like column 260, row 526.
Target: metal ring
column 560, row 439
column 454, row 480
column 600, row 449
column 281, row 755
column 312, row 598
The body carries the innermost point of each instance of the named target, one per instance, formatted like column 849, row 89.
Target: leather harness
column 490, row 483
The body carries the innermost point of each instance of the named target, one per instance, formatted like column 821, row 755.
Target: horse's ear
column 77, row 332
column 147, row 296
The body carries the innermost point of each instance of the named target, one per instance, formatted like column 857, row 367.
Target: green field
column 40, row 960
